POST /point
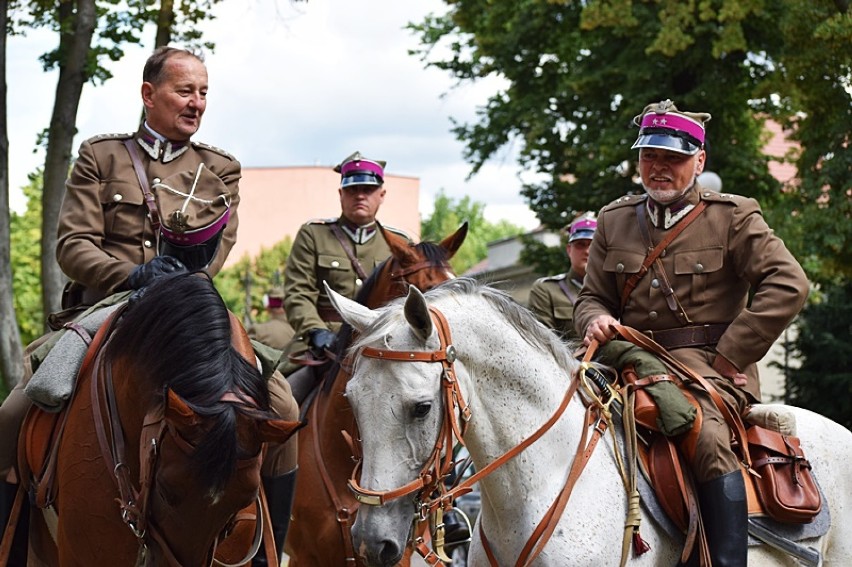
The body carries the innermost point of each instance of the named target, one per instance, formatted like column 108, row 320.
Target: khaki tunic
column 276, row 332
column 713, row 265
column 552, row 306
column 318, row 256
column 104, row 231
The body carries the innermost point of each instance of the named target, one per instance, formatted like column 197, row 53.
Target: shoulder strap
column 150, row 203
column 658, row 249
column 572, row 297
column 349, row 252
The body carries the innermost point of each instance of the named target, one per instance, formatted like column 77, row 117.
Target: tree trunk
column 11, row 351
column 165, row 22
column 79, row 18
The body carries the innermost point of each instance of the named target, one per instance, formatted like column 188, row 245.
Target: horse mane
column 178, row 335
column 519, row 317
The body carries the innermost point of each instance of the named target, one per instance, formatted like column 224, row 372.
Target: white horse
column 513, row 373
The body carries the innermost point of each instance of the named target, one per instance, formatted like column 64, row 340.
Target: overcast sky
column 303, row 84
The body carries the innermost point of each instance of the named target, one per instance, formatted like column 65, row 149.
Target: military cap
column 582, row 228
column 358, row 170
column 194, row 206
column 663, row 126
column 274, row 297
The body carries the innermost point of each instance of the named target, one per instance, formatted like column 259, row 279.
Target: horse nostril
column 390, row 553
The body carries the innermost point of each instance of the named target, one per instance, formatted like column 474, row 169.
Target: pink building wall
column 276, row 201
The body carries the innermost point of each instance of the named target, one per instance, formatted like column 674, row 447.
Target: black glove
column 159, row 266
column 320, row 340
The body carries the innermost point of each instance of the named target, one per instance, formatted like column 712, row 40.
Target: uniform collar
column 666, row 216
column 575, row 277
column 358, row 234
column 156, row 145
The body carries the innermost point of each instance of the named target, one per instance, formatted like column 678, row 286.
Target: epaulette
column 714, row 197
column 323, row 221
column 102, row 137
column 625, row 201
column 214, row 149
column 396, row 231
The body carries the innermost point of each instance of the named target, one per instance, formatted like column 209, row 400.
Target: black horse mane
column 179, row 335
column 434, row 255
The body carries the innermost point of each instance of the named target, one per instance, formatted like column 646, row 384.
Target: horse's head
column 408, row 400
column 423, row 265
column 195, row 415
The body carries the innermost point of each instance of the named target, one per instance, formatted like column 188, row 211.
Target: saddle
column 778, row 479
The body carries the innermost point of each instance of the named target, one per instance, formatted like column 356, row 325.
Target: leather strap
column 572, row 297
column 349, row 252
column 689, row 336
column 150, row 202
column 654, row 253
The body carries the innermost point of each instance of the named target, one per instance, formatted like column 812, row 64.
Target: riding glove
column 320, row 340
column 144, row 274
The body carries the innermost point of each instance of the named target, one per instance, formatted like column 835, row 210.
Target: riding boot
column 18, row 552
column 279, row 496
column 724, row 511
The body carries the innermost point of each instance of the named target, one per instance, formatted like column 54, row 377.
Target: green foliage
column 256, row 274
column 577, row 73
column 446, row 218
column 823, row 383
column 545, row 260
column 25, row 237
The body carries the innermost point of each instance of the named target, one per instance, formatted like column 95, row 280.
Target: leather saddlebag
column 786, row 486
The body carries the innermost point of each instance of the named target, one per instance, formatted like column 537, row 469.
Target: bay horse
column 464, row 361
column 323, row 508
column 163, row 437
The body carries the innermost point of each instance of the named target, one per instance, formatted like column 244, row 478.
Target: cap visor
column 582, row 235
column 663, row 142
column 360, row 179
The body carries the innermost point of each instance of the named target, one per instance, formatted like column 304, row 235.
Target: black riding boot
column 456, row 530
column 724, row 511
column 279, row 496
column 18, row 553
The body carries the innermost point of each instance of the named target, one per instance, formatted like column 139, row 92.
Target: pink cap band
column 193, row 237
column 362, row 165
column 675, row 122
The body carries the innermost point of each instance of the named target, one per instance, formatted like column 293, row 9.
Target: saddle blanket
column 52, row 384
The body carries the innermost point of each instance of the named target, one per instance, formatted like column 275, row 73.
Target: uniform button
column 699, row 268
column 655, row 283
column 156, row 180
column 335, row 264
column 619, row 268
column 652, row 315
column 358, row 281
column 147, row 244
column 663, row 253
column 117, row 197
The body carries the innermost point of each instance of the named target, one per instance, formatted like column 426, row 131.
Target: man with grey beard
column 693, row 298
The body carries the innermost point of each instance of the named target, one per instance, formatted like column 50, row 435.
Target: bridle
column 135, row 502
column 432, row 497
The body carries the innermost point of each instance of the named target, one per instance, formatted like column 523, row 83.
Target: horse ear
column 417, row 314
column 278, row 430
column 453, row 242
column 400, row 247
column 354, row 313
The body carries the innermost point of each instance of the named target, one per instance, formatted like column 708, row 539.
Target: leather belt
column 689, row 336
column 329, row 315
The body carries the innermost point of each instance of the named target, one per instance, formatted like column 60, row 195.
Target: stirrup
column 461, row 534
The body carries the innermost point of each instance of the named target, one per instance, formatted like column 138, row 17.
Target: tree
column 577, row 73
column 448, row 215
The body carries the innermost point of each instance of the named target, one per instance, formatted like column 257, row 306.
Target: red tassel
column 640, row 546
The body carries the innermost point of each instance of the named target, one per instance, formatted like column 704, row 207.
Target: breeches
column 713, row 454
column 281, row 458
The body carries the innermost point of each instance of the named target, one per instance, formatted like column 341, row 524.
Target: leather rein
column 457, row 415
column 134, row 503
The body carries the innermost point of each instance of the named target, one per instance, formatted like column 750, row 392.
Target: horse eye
column 422, row 409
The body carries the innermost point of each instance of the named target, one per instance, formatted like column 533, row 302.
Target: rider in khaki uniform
column 552, row 298
column 696, row 301
column 341, row 251
column 275, row 331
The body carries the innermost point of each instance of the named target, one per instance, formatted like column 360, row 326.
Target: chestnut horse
column 163, row 438
column 324, row 509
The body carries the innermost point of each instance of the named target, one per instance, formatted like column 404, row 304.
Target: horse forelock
column 178, row 335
